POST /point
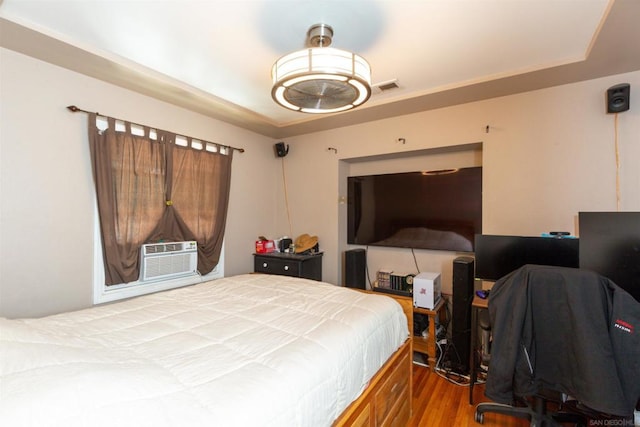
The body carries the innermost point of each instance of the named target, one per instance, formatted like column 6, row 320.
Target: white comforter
column 248, row 350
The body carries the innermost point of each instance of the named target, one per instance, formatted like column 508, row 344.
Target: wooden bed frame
column 387, row 400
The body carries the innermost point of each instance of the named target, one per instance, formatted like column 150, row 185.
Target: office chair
column 566, row 331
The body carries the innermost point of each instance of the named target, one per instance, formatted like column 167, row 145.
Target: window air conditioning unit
column 161, row 261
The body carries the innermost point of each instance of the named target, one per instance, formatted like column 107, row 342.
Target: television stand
column 425, row 345
column 428, row 345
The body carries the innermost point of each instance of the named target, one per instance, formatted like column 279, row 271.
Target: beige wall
column 548, row 155
column 46, row 188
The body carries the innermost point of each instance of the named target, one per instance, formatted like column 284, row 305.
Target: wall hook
column 486, row 129
column 402, row 140
column 335, row 150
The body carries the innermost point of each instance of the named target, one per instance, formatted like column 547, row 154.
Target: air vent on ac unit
column 160, row 261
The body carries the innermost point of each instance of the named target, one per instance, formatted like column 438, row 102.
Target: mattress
column 248, row 350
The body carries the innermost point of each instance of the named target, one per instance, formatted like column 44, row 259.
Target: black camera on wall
column 281, row 149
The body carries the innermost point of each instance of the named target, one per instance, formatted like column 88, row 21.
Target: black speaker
column 355, row 268
column 618, row 97
column 463, row 280
column 281, row 150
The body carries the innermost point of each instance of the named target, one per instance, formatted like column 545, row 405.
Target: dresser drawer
column 285, row 264
column 276, row 266
column 392, row 399
column 361, row 418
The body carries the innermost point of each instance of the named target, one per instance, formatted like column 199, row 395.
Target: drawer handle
column 264, row 264
column 286, row 267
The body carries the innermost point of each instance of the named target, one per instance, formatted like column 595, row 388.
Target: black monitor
column 610, row 246
column 496, row 256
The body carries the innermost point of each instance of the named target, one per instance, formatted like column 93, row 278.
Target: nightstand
column 286, row 264
column 425, row 345
column 428, row 345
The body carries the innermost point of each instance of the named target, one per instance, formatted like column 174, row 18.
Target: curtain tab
column 169, row 202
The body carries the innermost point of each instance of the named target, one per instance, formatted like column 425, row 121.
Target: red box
column 265, row 246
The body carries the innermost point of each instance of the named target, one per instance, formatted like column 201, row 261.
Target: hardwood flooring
column 438, row 402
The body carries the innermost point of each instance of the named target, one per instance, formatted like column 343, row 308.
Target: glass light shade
column 321, row 80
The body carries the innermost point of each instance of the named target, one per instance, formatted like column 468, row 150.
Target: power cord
column 448, row 316
column 366, row 265
column 415, row 261
column 446, row 371
column 286, row 197
column 617, row 150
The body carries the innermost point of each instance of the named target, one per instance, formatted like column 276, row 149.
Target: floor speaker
column 355, row 262
column 463, row 279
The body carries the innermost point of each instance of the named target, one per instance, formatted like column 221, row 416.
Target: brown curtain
column 198, row 183
column 152, row 190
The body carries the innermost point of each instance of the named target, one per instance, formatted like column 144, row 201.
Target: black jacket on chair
column 581, row 333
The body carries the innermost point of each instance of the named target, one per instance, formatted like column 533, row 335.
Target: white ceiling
column 215, row 56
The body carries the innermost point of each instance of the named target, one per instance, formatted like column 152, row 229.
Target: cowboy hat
column 304, row 242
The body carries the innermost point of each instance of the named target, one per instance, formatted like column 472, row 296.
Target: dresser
column 285, row 264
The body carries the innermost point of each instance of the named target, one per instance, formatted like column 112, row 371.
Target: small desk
column 422, row 345
column 428, row 345
column 476, row 305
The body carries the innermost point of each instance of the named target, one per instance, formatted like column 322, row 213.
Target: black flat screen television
column 496, row 256
column 610, row 246
column 439, row 210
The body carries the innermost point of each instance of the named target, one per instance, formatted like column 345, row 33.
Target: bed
column 248, row 350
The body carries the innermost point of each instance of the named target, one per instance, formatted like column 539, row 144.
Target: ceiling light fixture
column 321, row 79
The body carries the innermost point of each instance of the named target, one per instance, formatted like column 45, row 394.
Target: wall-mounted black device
column 281, row 149
column 439, row 210
column 618, row 98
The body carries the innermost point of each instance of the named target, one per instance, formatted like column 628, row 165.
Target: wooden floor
column 438, row 402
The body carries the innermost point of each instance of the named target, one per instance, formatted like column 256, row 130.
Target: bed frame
column 387, row 400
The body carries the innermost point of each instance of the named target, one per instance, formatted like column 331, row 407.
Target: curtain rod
column 75, row 109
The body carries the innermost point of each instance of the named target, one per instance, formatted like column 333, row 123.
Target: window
column 154, row 186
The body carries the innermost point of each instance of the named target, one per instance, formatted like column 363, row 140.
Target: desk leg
column 472, row 353
column 431, row 341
